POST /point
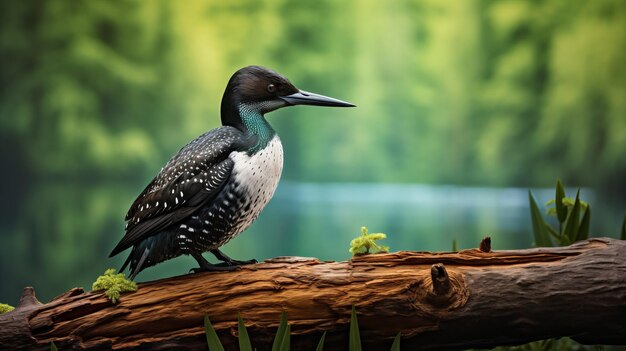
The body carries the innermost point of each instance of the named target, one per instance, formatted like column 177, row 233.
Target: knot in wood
column 446, row 289
column 440, row 279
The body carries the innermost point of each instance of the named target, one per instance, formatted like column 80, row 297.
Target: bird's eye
column 271, row 88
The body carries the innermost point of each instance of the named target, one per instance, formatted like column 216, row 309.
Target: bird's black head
column 263, row 90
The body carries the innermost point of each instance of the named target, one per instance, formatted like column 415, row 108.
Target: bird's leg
column 227, row 261
column 205, row 266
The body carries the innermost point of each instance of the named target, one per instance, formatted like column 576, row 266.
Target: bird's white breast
column 257, row 175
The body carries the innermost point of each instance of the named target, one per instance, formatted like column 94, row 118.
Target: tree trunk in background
column 470, row 299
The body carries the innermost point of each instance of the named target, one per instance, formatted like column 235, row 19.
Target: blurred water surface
column 60, row 234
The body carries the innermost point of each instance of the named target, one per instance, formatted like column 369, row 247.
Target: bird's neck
column 255, row 123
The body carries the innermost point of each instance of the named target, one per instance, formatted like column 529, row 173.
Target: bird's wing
column 192, row 178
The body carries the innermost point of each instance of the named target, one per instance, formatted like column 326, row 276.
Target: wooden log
column 438, row 301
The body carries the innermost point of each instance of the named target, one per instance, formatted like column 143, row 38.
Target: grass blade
column 583, row 230
column 244, row 339
column 552, row 232
column 539, row 226
column 355, row 336
column 53, row 347
column 572, row 222
column 455, row 247
column 280, row 333
column 285, row 345
column 561, row 209
column 320, row 345
column 211, row 336
column 396, row 343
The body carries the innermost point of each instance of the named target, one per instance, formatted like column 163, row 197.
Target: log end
column 28, row 299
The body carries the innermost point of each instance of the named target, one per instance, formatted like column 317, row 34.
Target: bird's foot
column 206, row 266
column 229, row 262
column 236, row 263
column 214, row 268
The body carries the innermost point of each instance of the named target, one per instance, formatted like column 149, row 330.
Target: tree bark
column 438, row 301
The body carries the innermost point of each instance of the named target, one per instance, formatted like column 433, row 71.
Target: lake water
column 59, row 236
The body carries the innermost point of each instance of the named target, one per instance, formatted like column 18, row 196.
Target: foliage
column 53, row 347
column 283, row 336
column 320, row 345
column 244, row 338
column 113, row 284
column 211, row 336
column 362, row 245
column 571, row 228
column 563, row 344
column 396, row 343
column 282, row 340
column 567, row 202
column 4, row 308
column 118, row 87
column 568, row 213
column 354, row 343
column 539, row 226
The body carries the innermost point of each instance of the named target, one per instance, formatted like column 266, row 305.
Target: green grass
column 282, row 339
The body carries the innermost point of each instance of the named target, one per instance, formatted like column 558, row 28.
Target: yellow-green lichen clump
column 365, row 243
column 4, row 308
column 113, row 284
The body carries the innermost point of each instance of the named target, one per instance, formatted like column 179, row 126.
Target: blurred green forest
column 473, row 92
column 462, row 106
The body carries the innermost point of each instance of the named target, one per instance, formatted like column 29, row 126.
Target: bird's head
column 263, row 90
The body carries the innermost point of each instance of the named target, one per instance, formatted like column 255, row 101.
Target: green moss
column 113, row 284
column 363, row 244
column 4, row 308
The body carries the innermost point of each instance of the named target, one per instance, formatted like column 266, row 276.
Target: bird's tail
column 135, row 268
column 127, row 261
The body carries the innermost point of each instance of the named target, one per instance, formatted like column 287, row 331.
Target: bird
column 218, row 184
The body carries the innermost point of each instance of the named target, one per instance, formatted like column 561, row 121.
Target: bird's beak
column 306, row 98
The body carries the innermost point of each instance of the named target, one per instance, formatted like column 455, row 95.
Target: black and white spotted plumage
column 191, row 180
column 216, row 185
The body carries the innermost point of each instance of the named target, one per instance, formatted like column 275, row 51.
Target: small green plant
column 562, row 344
column 573, row 216
column 282, row 339
column 354, row 343
column 396, row 343
column 211, row 336
column 113, row 284
column 4, row 308
column 53, row 347
column 362, row 245
column 282, row 334
column 320, row 345
column 244, row 338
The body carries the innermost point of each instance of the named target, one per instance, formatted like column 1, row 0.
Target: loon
column 218, row 184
